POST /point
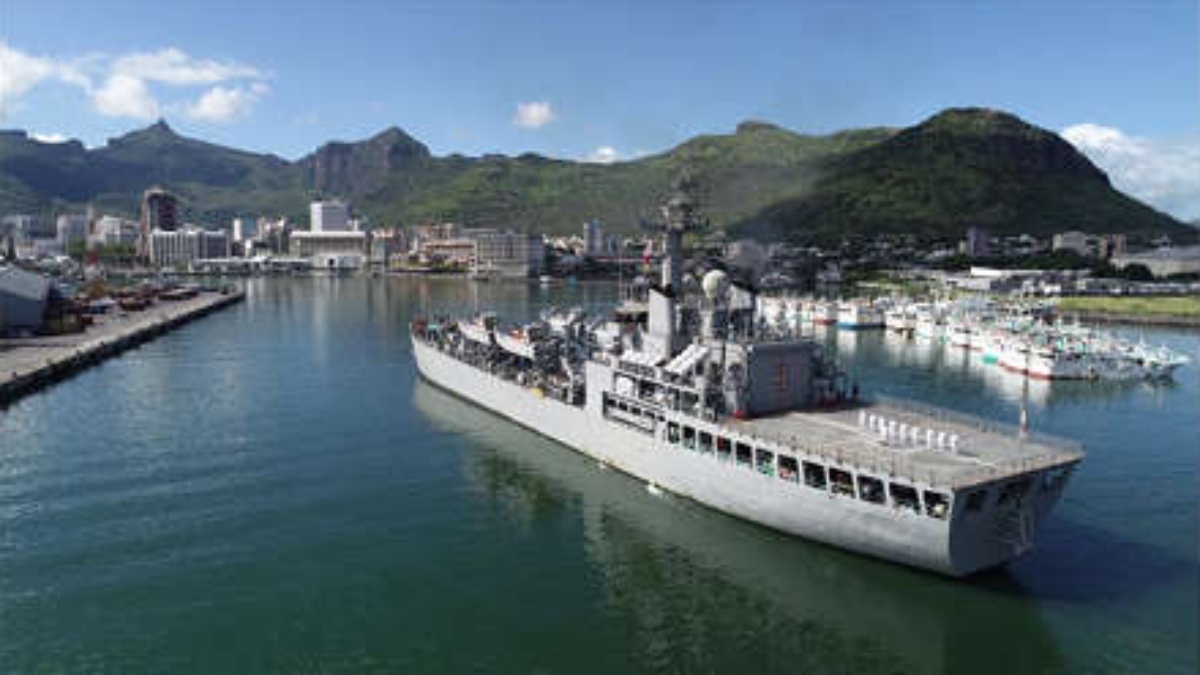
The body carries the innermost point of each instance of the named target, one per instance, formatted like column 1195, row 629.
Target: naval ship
column 685, row 388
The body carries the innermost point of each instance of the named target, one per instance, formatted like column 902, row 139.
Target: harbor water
column 272, row 489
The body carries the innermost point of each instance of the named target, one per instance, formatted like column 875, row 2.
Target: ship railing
column 896, row 466
column 979, row 424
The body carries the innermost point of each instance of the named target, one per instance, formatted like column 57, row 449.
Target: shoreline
column 1162, row 320
column 30, row 364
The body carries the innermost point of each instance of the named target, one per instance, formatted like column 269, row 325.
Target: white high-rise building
column 244, row 229
column 332, row 216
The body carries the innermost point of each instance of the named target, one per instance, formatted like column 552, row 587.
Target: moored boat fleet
column 1022, row 338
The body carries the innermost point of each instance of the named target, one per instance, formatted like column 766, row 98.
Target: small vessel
column 859, row 316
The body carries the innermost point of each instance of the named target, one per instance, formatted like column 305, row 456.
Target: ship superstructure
column 692, row 394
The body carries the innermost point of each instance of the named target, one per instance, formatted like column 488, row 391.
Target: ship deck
column 985, row 451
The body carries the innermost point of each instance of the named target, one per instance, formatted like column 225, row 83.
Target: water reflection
column 703, row 590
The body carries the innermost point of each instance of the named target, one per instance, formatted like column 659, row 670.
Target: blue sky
column 605, row 80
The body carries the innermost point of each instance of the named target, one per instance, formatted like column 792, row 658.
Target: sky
column 607, row 81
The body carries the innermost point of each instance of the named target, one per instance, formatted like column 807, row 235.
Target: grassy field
column 1172, row 306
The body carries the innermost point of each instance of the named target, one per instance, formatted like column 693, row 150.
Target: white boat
column 900, row 320
column 825, row 313
column 859, row 316
column 1014, row 355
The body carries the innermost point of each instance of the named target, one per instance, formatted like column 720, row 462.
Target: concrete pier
column 28, row 364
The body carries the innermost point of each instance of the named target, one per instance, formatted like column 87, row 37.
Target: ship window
column 689, row 438
column 842, row 482
column 936, row 504
column 724, row 448
column 870, row 490
column 764, row 461
column 673, row 432
column 905, row 497
column 743, row 454
column 705, row 441
column 788, row 469
column 814, row 475
column 976, row 499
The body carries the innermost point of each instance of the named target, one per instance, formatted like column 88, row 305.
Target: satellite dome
column 715, row 284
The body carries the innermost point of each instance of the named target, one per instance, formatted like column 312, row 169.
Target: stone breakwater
column 28, row 364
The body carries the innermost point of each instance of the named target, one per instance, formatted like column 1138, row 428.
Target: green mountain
column 961, row 167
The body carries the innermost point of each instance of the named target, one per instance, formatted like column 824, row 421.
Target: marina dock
column 28, row 364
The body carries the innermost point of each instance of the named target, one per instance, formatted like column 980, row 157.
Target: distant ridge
column 960, row 167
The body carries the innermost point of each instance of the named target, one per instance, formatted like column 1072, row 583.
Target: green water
column 271, row 489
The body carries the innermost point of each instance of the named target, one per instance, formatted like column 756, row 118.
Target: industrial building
column 509, row 254
column 24, row 299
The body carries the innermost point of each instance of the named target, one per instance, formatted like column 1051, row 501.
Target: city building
column 456, row 251
column 72, row 228
column 386, row 243
column 244, row 229
column 593, row 238
column 1078, row 242
column 181, row 247
column 508, row 254
column 327, row 243
column 977, row 242
column 114, row 231
column 329, row 216
column 1163, row 262
column 274, row 235
column 160, row 211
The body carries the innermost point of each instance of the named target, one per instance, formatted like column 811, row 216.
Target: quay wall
column 29, row 365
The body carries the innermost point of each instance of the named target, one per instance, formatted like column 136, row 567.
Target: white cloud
column 533, row 115
column 222, row 104
column 125, row 96
column 48, row 138
column 1162, row 172
column 174, row 67
column 132, row 84
column 21, row 72
column 605, row 154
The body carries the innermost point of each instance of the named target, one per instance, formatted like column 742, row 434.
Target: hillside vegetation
column 961, row 167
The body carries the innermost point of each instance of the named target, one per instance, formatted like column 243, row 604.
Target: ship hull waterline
column 959, row 546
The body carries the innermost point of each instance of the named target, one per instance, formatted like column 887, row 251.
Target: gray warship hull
column 961, row 543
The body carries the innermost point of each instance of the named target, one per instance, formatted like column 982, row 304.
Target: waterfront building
column 329, row 216
column 160, row 210
column 327, row 245
column 244, row 229
column 24, row 297
column 509, row 254
column 114, row 231
column 72, row 228
column 384, row 243
column 458, row 251
column 184, row 246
